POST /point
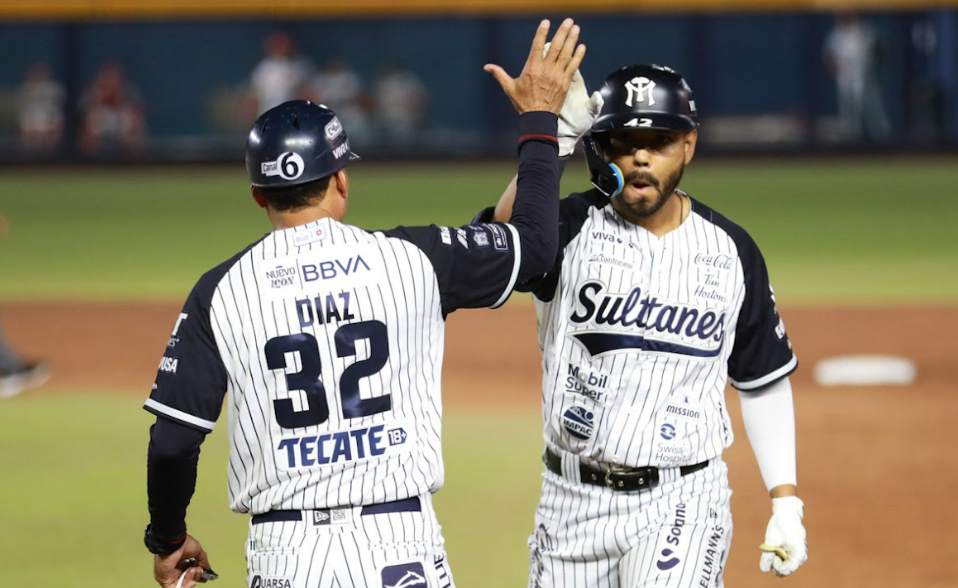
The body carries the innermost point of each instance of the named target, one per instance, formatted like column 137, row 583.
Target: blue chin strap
column 606, row 177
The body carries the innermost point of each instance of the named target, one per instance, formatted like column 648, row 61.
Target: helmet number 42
column 639, row 122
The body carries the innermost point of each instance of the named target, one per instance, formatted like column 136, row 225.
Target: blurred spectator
column 279, row 76
column 852, row 57
column 111, row 112
column 41, row 103
column 340, row 88
column 400, row 99
column 927, row 94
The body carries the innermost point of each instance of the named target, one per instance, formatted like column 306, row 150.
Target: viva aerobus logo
column 668, row 558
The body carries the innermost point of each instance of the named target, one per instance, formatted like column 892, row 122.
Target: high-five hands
column 546, row 76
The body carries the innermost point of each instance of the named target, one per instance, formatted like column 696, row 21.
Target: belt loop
column 570, row 466
column 668, row 475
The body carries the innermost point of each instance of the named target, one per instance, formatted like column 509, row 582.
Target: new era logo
column 331, row 516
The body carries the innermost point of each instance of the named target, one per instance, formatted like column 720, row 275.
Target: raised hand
column 546, row 76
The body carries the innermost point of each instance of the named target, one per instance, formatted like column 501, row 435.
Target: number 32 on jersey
column 342, row 446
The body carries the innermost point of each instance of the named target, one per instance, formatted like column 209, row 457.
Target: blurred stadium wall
column 757, row 68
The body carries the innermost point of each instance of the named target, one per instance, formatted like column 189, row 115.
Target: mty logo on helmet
column 288, row 166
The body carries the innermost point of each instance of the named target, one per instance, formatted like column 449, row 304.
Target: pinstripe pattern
column 328, row 342
column 352, row 317
column 636, row 341
column 675, row 535
column 401, row 291
column 350, row 553
column 638, row 387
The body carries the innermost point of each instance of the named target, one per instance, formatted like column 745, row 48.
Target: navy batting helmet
column 294, row 143
column 646, row 97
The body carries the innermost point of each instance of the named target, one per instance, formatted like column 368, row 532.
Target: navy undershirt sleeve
column 535, row 214
column 479, row 265
column 172, row 456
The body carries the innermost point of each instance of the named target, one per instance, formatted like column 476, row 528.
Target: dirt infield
column 876, row 467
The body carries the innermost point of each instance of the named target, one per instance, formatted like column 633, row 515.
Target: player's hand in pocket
column 544, row 81
column 785, row 548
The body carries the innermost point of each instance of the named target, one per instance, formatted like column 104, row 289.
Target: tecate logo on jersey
column 679, row 328
column 341, row 447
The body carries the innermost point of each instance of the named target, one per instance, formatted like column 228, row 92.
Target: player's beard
column 665, row 189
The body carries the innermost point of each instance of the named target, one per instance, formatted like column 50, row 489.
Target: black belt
column 276, row 516
column 616, row 478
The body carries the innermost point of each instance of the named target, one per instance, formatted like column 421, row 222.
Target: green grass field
column 848, row 232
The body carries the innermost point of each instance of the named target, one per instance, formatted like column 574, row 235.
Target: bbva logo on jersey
column 318, row 267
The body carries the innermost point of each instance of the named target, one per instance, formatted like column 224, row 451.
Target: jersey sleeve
column 476, row 265
column 573, row 211
column 762, row 353
column 191, row 378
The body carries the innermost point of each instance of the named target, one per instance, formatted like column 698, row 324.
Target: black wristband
column 538, row 126
column 160, row 545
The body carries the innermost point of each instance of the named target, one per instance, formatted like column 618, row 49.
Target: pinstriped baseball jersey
column 328, row 342
column 639, row 335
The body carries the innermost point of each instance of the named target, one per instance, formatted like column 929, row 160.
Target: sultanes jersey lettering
column 640, row 335
column 327, row 341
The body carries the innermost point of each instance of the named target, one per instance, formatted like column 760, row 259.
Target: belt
column 404, row 505
column 617, row 478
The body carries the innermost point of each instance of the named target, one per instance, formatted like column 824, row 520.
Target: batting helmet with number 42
column 294, row 143
column 646, row 97
column 636, row 98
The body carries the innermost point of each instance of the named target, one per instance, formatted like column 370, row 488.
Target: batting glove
column 578, row 113
column 785, row 531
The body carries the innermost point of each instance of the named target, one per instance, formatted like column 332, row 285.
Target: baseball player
column 326, row 341
column 653, row 303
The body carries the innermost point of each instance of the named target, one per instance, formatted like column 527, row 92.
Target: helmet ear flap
column 606, row 177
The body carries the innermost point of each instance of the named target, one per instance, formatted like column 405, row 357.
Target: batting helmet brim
column 630, row 121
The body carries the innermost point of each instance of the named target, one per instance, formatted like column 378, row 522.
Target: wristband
column 159, row 546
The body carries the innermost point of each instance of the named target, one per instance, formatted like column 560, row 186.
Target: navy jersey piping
column 750, row 256
column 204, row 290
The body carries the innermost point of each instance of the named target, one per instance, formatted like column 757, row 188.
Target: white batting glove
column 578, row 113
column 784, row 535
